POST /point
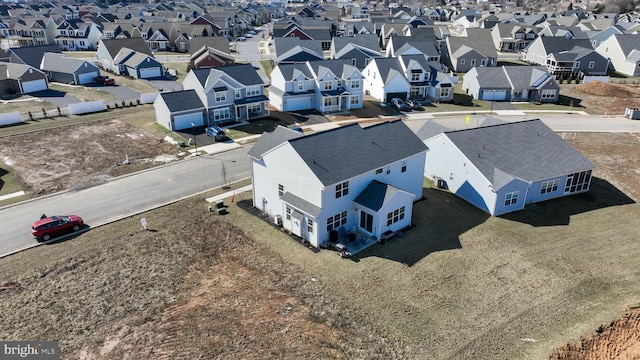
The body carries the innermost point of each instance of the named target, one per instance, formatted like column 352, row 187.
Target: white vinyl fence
column 86, row 107
column 10, row 118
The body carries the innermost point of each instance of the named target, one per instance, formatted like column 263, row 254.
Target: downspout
column 526, row 193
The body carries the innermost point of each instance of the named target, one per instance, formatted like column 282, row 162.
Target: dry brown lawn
column 459, row 285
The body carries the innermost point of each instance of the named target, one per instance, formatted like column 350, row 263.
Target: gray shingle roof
column 138, row 44
column 245, row 74
column 388, row 67
column 340, row 154
column 32, row 55
column 60, row 63
column 529, row 150
column 430, row 129
column 375, row 195
column 301, row 204
column 270, row 140
column 478, row 39
column 182, row 100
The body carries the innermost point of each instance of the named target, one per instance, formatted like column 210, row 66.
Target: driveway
column 57, row 98
column 164, row 84
column 121, row 91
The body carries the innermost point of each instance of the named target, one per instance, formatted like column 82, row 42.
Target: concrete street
column 124, row 196
column 135, row 193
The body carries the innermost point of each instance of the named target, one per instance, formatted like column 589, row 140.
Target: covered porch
column 252, row 107
column 335, row 100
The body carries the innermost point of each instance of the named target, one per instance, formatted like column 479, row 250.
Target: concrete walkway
column 229, row 194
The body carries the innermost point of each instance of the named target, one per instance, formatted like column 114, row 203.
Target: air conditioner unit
column 278, row 220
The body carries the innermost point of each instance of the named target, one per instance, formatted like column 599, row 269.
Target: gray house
column 359, row 49
column 464, row 52
column 561, row 56
column 511, row 83
column 68, row 70
column 179, row 109
column 130, row 56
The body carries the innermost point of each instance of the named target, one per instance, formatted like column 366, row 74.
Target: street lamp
column 193, row 128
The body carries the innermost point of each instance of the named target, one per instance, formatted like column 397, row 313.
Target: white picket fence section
column 10, row 118
column 86, row 107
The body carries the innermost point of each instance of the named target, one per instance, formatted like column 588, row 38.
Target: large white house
column 501, row 168
column 363, row 180
column 327, row 86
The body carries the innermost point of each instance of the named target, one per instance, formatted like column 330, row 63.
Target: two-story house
column 408, row 77
column 624, row 53
column 74, row 35
column 327, row 86
column 229, row 93
column 461, row 53
column 361, row 180
column 561, row 56
column 512, row 37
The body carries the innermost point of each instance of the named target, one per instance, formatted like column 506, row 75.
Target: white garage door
column 494, row 95
column 297, row 104
column 184, row 121
column 149, row 72
column 35, row 85
column 87, row 78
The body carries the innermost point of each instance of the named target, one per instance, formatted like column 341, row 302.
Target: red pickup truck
column 104, row 80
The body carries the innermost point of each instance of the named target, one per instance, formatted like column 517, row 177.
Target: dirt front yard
column 82, row 155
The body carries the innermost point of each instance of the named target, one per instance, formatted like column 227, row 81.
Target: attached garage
column 87, row 78
column 497, row 95
column 295, row 104
column 34, row 85
column 146, row 73
column 400, row 95
column 184, row 121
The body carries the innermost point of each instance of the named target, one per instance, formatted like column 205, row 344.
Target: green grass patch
column 255, row 127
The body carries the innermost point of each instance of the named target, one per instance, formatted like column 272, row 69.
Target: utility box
column 632, row 113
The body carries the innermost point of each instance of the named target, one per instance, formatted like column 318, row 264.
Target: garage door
column 149, row 72
column 400, row 95
column 87, row 78
column 35, row 85
column 297, row 104
column 184, row 121
column 494, row 95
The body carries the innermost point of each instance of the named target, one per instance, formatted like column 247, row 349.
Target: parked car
column 216, row 133
column 248, row 35
column 399, row 105
column 242, row 38
column 104, row 80
column 414, row 105
column 50, row 226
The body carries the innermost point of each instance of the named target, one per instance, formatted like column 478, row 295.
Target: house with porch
column 503, row 167
column 229, row 93
column 327, row 86
column 511, row 83
column 408, row 77
column 348, row 179
column 565, row 56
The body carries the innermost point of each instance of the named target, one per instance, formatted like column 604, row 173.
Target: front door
column 366, row 221
column 296, row 223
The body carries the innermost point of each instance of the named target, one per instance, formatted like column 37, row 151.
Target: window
column 310, row 226
column 404, row 166
column 483, row 62
column 253, row 91
column 280, row 190
column 328, row 101
column 221, row 96
column 254, row 109
column 444, row 92
column 462, row 61
column 415, row 76
column 334, row 222
column 366, row 61
column 288, row 213
column 414, row 92
column 221, row 114
column 379, row 171
column 355, row 100
column 549, row 186
column 342, row 189
column 395, row 216
column 328, row 85
column 511, row 198
column 548, row 94
column 577, row 65
column 353, row 62
column 300, row 85
column 517, row 94
column 238, row 94
column 592, row 64
column 355, row 84
column 578, row 182
column 473, row 62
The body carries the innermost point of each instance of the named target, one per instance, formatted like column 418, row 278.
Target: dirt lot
column 82, row 155
column 600, row 98
column 460, row 285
